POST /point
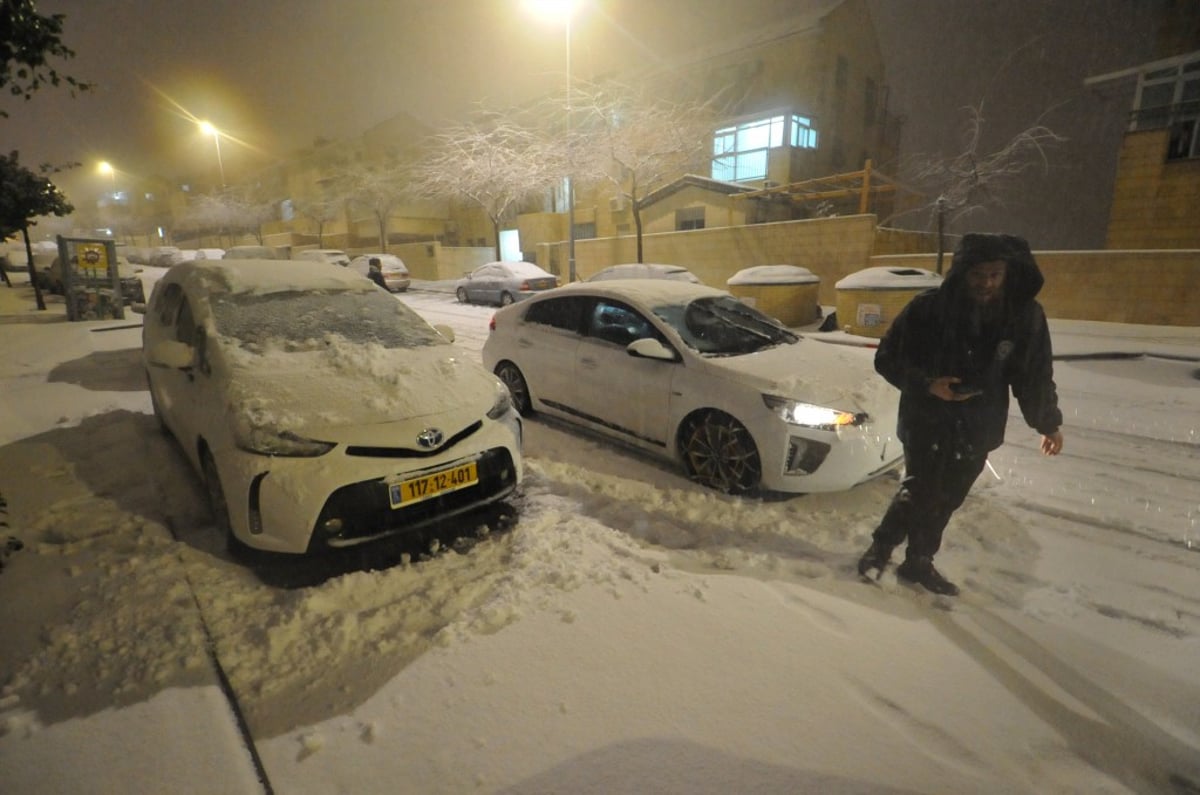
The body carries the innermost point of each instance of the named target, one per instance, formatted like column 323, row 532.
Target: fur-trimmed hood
column 1024, row 278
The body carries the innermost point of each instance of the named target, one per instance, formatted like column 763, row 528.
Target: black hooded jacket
column 942, row 333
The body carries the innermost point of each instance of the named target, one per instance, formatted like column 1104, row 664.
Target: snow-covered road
column 593, row 647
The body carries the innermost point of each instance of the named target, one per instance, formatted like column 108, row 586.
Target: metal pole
column 570, row 167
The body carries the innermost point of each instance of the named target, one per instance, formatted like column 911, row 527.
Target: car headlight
column 283, row 443
column 795, row 412
column 503, row 404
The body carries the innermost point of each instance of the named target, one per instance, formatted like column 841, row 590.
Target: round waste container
column 869, row 300
column 785, row 292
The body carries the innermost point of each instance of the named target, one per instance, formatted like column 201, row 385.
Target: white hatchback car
column 319, row 411
column 395, row 272
column 689, row 372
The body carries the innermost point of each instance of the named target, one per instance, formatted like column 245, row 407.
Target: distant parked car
column 164, row 256
column 250, row 252
column 209, row 253
column 740, row 402
column 319, row 412
column 503, row 283
column 645, row 270
column 395, row 272
column 333, row 256
column 132, row 292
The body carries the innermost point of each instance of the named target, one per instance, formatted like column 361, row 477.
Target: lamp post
column 208, row 129
column 563, row 10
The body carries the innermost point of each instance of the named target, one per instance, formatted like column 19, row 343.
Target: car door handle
column 588, row 361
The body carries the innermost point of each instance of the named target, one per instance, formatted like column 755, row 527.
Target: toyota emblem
column 429, row 438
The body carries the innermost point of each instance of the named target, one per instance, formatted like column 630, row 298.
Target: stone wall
column 1156, row 288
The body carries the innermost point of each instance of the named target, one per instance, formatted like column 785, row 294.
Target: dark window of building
column 689, row 218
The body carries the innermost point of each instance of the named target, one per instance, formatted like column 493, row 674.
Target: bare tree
column 321, row 210
column 638, row 142
column 379, row 188
column 494, row 161
column 969, row 181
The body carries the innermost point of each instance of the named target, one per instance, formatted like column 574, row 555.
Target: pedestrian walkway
column 18, row 304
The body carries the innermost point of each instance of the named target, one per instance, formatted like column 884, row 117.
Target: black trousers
column 936, row 481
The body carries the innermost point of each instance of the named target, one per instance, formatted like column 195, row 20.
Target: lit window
column 740, row 151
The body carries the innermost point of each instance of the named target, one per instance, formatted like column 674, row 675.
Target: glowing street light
column 106, row 167
column 208, row 129
column 561, row 11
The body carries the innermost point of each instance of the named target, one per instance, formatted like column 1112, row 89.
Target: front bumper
column 284, row 504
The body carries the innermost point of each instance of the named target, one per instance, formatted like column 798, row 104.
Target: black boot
column 876, row 557
column 920, row 570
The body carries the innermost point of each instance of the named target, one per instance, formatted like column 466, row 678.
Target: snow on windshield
column 296, row 321
column 723, row 325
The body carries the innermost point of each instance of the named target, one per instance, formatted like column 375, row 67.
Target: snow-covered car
column 645, row 270
column 250, row 252
column 318, row 411
column 52, row 278
column 330, row 256
column 395, row 272
column 503, row 283
column 691, row 373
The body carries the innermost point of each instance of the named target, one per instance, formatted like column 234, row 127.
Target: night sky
column 278, row 75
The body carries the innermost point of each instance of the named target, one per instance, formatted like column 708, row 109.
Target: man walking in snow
column 375, row 272
column 954, row 352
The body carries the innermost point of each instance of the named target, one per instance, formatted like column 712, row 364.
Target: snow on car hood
column 345, row 391
column 835, row 376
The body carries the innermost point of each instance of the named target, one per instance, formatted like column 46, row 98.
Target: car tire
column 511, row 375
column 719, row 453
column 217, row 504
column 506, row 299
column 461, row 295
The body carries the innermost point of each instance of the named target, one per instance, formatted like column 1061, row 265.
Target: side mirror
column 445, row 331
column 172, row 353
column 138, row 309
column 650, row 348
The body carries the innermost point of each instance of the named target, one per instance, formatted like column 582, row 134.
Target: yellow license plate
column 413, row 490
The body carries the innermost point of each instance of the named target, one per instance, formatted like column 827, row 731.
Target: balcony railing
column 1182, row 119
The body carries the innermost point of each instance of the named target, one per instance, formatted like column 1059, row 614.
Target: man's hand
column 943, row 388
column 1052, row 444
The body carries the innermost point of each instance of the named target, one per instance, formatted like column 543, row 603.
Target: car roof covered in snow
column 267, row 276
column 651, row 292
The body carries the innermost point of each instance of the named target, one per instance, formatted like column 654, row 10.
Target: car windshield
column 724, row 326
column 299, row 321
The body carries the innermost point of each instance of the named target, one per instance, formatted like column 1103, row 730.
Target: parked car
column 395, row 272
column 332, row 256
column 250, row 252
column 52, row 279
column 728, row 393
column 645, row 270
column 318, row 411
column 164, row 256
column 503, row 283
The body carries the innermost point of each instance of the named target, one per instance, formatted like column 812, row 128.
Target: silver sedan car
column 503, row 283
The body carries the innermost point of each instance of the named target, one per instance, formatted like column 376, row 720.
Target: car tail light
column 492, row 324
column 525, row 286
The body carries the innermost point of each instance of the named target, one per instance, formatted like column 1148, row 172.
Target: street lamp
column 106, row 167
column 562, row 11
column 208, row 129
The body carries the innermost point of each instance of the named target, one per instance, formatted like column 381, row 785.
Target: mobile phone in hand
column 966, row 389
